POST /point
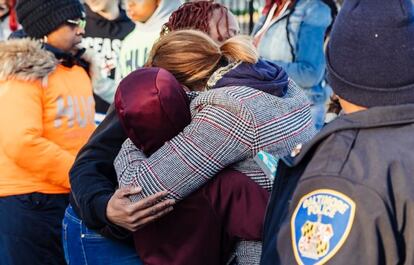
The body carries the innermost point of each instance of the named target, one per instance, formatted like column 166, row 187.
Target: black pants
column 31, row 229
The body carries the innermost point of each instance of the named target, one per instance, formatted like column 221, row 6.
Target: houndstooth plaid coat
column 229, row 127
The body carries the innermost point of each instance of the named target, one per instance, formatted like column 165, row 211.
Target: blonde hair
column 192, row 56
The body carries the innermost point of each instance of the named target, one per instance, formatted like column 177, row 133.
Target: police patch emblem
column 320, row 225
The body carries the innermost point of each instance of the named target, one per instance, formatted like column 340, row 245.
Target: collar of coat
column 25, row 59
column 66, row 58
column 375, row 117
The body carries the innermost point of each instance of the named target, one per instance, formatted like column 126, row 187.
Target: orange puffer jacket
column 46, row 116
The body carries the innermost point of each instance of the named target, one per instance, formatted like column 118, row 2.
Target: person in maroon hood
column 153, row 108
column 97, row 204
column 220, row 135
column 95, row 199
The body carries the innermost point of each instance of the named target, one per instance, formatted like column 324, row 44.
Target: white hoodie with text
column 137, row 45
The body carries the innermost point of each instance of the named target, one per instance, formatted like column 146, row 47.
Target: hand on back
column 134, row 215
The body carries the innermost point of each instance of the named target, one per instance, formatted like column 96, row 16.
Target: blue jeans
column 84, row 246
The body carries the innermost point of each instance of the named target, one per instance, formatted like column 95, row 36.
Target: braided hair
column 196, row 15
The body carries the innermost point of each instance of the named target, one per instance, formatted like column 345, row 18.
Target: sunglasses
column 81, row 23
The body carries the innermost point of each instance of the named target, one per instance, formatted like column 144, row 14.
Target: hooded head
column 370, row 56
column 152, row 107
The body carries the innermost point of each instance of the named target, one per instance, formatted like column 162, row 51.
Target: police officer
column 348, row 196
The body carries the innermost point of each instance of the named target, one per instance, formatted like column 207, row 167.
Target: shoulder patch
column 320, row 225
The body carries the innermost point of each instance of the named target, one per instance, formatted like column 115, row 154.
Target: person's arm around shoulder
column 94, row 184
column 334, row 220
column 216, row 138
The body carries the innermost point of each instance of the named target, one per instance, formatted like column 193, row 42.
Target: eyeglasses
column 81, row 23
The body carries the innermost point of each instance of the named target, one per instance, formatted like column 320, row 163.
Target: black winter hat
column 40, row 17
column 370, row 56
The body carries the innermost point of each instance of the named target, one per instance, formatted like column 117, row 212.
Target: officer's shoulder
column 325, row 156
column 333, row 152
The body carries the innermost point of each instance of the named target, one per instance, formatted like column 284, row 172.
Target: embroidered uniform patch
column 320, row 225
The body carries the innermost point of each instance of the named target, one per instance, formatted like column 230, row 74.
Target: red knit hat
column 152, row 107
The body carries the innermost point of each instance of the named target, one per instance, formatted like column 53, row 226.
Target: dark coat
column 348, row 197
column 93, row 179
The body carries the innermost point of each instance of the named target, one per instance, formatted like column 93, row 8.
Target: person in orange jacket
column 47, row 115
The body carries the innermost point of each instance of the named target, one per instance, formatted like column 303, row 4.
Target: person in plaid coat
column 153, row 108
column 252, row 106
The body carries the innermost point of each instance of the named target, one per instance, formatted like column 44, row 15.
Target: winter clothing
column 229, row 121
column 44, row 106
column 364, row 158
column 93, row 182
column 294, row 40
column 137, row 45
column 153, row 112
column 240, row 131
column 261, row 75
column 47, row 110
column 347, row 196
column 169, row 110
column 91, row 153
column 93, row 179
column 67, row 59
column 226, row 209
column 105, row 37
column 49, row 15
column 385, row 30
